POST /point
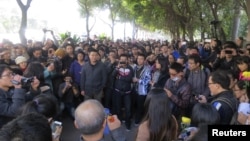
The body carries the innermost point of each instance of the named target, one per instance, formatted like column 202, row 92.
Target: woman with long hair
column 160, row 74
column 158, row 123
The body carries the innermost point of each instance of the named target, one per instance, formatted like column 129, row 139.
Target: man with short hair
column 222, row 97
column 93, row 77
column 123, row 76
column 90, row 119
column 11, row 99
column 178, row 90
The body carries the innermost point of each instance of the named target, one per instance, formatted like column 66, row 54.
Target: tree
column 87, row 8
column 246, row 6
column 24, row 9
column 113, row 6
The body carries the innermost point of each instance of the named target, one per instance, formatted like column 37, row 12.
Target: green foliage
column 67, row 34
column 103, row 36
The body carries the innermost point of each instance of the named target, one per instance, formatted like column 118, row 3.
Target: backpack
column 230, row 104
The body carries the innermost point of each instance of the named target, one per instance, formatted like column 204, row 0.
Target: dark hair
column 43, row 104
column 162, row 125
column 230, row 44
column 34, row 69
column 176, row 66
column 221, row 77
column 204, row 113
column 93, row 50
column 196, row 58
column 201, row 134
column 163, row 62
column 29, row 127
column 142, row 54
column 123, row 55
column 80, row 52
column 241, row 84
column 243, row 59
column 3, row 67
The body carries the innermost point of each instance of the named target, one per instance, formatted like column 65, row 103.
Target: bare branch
column 106, row 22
column 92, row 25
column 28, row 3
column 19, row 2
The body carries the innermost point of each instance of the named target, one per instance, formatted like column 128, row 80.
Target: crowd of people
column 151, row 83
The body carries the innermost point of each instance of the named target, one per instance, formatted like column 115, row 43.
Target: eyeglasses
column 211, row 83
column 8, row 75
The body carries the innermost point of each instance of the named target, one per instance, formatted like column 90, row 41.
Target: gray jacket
column 93, row 77
column 115, row 135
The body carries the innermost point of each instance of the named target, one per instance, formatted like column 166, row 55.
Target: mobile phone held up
column 54, row 124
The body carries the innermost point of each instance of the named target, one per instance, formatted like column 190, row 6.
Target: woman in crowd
column 160, row 74
column 45, row 105
column 76, row 67
column 158, row 123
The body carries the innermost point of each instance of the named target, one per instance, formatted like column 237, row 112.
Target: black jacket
column 226, row 104
column 93, row 77
column 123, row 78
column 10, row 102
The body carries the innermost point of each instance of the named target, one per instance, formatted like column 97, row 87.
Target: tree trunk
column 248, row 16
column 112, row 30
column 23, row 27
column 87, row 25
column 134, row 30
column 191, row 35
column 124, row 32
column 236, row 21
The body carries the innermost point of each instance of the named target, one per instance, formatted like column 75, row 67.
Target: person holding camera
column 12, row 96
column 123, row 76
column 226, row 59
column 68, row 92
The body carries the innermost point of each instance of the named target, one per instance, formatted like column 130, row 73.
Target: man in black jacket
column 221, row 97
column 123, row 75
column 93, row 77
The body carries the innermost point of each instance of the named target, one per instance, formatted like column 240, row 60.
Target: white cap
column 20, row 59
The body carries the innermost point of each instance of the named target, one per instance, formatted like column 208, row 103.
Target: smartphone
column 54, row 124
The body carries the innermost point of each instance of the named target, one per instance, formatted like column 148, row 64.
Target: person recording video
column 12, row 93
column 123, row 75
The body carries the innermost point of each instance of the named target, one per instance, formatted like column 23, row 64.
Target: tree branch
column 105, row 22
column 92, row 25
column 19, row 2
column 28, row 3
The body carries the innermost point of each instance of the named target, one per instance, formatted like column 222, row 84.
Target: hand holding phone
column 55, row 125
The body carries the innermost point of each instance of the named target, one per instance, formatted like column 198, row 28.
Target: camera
column 25, row 81
column 228, row 52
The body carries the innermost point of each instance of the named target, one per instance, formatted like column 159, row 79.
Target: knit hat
column 20, row 59
column 60, row 52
